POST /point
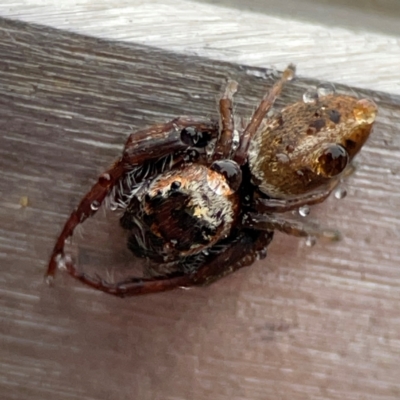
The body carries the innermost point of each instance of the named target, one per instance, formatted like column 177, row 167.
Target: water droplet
column 104, row 178
column 261, row 254
column 113, row 206
column 304, row 211
column 49, row 279
column 340, row 193
column 235, row 139
column 95, row 205
column 206, row 252
column 333, row 235
column 310, row 96
column 60, row 261
column 365, row 111
column 325, row 89
column 310, row 241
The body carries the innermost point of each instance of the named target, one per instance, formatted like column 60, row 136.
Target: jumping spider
column 206, row 196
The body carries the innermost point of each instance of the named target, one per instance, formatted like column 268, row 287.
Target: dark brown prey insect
column 206, row 197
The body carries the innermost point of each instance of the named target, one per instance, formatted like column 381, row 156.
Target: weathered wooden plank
column 353, row 43
column 320, row 323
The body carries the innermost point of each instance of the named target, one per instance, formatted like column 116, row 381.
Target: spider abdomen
column 184, row 211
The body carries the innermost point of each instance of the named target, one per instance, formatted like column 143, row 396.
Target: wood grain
column 354, row 43
column 319, row 323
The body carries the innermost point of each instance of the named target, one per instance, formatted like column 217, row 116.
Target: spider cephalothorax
column 194, row 199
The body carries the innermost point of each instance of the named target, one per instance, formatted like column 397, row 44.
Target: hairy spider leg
column 131, row 286
column 290, row 226
column 241, row 252
column 268, row 215
column 266, row 103
column 284, row 205
column 152, row 143
column 232, row 256
column 84, row 210
column 223, row 146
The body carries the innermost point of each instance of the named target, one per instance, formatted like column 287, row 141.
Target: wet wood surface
column 305, row 323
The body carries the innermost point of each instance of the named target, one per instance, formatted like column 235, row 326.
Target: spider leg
column 282, row 205
column 87, row 207
column 230, row 257
column 227, row 125
column 131, row 286
column 266, row 103
column 163, row 139
column 151, row 143
column 241, row 252
column 290, row 226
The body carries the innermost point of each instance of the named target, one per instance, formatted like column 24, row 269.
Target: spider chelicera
column 205, row 197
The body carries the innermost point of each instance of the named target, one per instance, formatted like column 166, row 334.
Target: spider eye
column 332, row 161
column 230, row 170
column 192, row 137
